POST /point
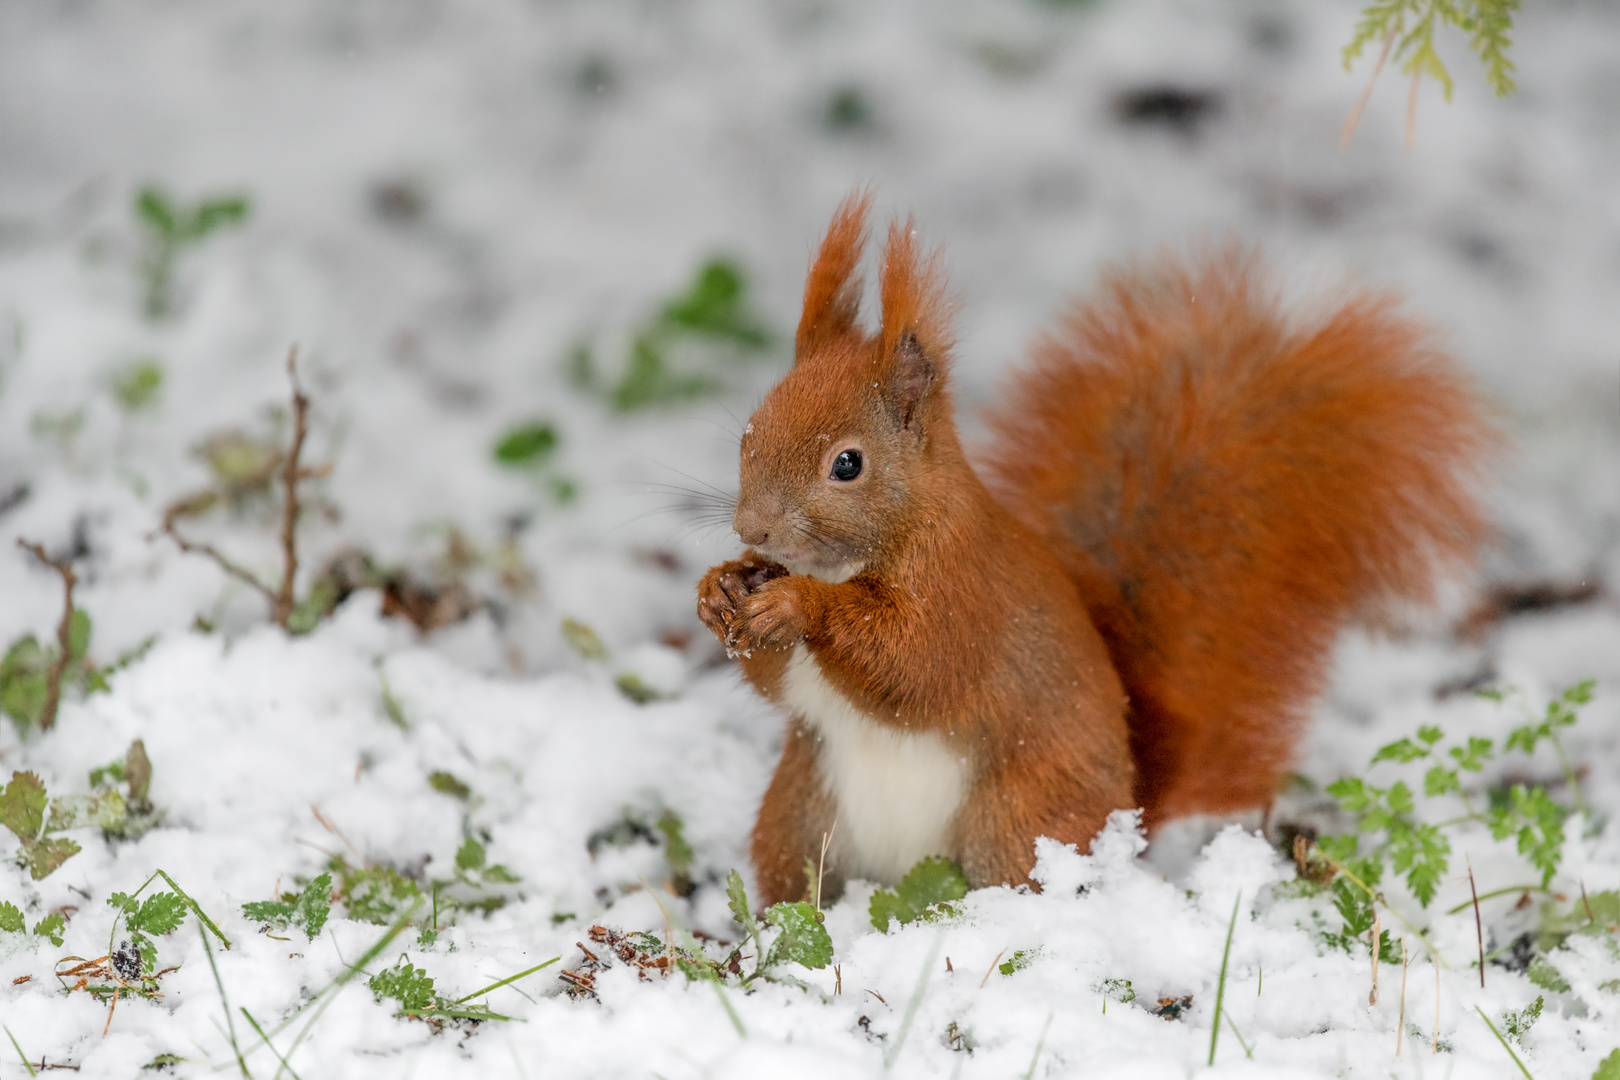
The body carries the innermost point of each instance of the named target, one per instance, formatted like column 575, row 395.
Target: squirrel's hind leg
column 794, row 816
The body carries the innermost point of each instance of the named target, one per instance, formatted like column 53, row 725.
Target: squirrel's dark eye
column 847, row 466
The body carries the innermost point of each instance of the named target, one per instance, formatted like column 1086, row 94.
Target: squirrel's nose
column 752, row 526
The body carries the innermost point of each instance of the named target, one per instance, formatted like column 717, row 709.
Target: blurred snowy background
column 539, row 260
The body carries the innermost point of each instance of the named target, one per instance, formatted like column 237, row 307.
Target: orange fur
column 1213, row 490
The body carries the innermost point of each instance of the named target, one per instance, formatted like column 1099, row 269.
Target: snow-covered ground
column 447, row 199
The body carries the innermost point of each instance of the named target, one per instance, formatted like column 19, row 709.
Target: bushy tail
column 1228, row 490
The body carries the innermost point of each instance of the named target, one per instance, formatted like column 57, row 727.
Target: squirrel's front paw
column 774, row 616
column 725, row 587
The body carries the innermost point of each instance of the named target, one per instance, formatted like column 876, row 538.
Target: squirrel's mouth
column 834, row 572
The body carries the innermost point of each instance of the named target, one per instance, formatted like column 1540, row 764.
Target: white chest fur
column 897, row 792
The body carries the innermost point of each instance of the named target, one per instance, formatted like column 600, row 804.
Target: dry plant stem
column 1411, row 110
column 285, row 600
column 1372, row 995
column 235, row 570
column 1479, row 926
column 1354, row 119
column 64, row 633
column 992, row 970
column 1400, row 1025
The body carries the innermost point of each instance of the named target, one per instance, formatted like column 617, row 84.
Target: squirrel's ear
column 910, row 377
column 915, row 338
column 832, row 292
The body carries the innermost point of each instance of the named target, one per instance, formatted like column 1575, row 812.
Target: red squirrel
column 1186, row 496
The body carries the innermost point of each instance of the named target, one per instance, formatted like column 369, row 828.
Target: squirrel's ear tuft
column 915, row 340
column 832, row 292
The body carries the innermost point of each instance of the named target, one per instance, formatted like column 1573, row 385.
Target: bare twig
column 64, row 632
column 285, row 599
column 1372, row 995
column 1400, row 1025
column 1479, row 926
column 192, row 547
column 1361, row 103
column 992, row 970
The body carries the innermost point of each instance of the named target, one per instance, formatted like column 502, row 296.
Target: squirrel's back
column 1228, row 487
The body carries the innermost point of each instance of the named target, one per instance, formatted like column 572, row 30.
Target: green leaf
column 1401, row 750
column 526, row 445
column 1439, row 780
column 1544, row 975
column 714, row 305
column 155, row 210
column 500, row 875
column 211, row 214
column 1400, row 798
column 1580, row 693
column 78, row 634
column 1340, row 849
column 23, row 681
column 1352, row 794
column 1422, row 854
column 159, row 914
column 934, row 880
column 1609, row 1067
column 737, row 901
column 11, row 918
column 1017, row 962
column 1517, row 1024
column 447, row 784
column 470, row 856
column 275, row 912
column 103, row 810
column 1430, row 735
column 677, row 852
column 314, row 905
column 410, row 986
column 803, row 938
column 583, row 640
column 42, row 857
column 1525, row 738
column 136, row 387
column 1475, row 755
column 22, row 806
column 51, row 927
column 886, row 905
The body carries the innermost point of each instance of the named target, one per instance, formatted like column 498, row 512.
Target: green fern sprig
column 1410, row 26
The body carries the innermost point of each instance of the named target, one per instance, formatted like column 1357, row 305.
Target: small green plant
column 1407, row 28
column 473, row 866
column 677, row 852
column 1609, row 1067
column 131, row 967
column 801, row 938
column 926, row 892
column 12, row 921
column 686, row 349
column 306, row 909
column 1018, row 961
column 412, row 988
column 22, row 810
column 1119, row 991
column 136, row 387
column 1517, row 1024
column 169, row 229
column 530, row 447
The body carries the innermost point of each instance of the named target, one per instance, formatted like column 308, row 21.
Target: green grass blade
column 230, row 1025
column 284, row 1063
column 20, row 1053
column 1220, row 987
column 1040, row 1044
column 506, row 981
column 893, row 1052
column 1504, row 1043
column 195, row 908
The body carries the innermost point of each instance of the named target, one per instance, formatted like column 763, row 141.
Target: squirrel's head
column 841, row 459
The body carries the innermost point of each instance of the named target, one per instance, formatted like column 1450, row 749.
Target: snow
column 574, row 163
